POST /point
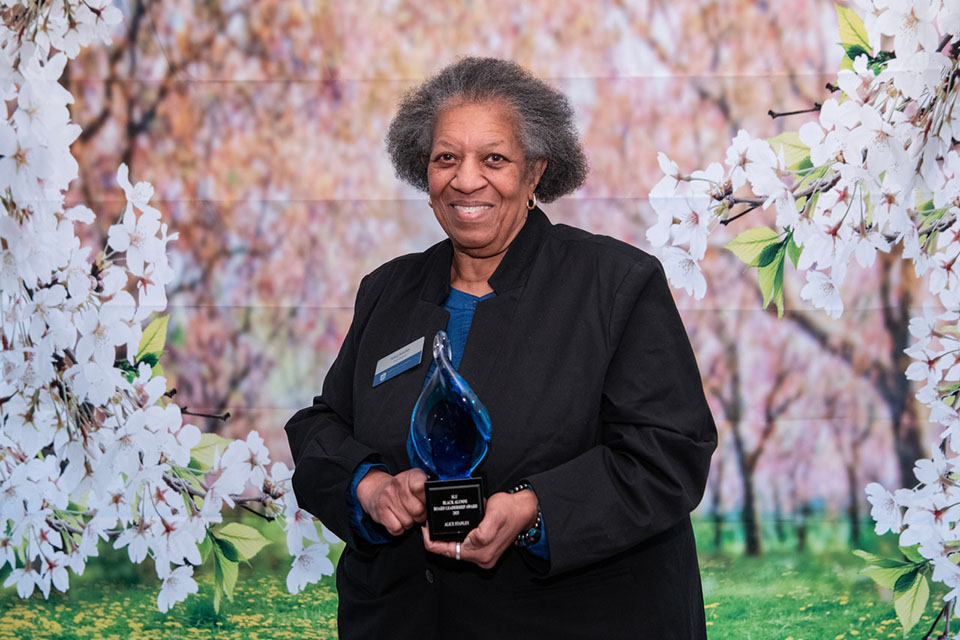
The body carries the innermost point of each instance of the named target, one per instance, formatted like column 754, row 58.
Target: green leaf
column 151, row 359
column 203, row 452
column 227, row 548
column 856, row 51
column 809, row 177
column 846, row 63
column 911, row 603
column 905, row 582
column 205, row 547
column 812, row 205
column 852, row 30
column 748, row 245
column 771, row 280
column 768, row 254
column 945, row 387
column 886, row 578
column 878, row 63
column 793, row 251
column 795, row 153
column 912, row 554
column 245, row 538
column 881, row 561
column 225, row 572
column 153, row 338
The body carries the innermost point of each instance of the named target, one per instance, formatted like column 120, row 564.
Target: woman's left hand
column 507, row 514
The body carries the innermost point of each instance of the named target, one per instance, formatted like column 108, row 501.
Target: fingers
column 416, row 484
column 448, row 549
column 399, row 512
column 484, row 545
column 484, row 534
column 393, row 500
column 413, row 495
column 394, row 525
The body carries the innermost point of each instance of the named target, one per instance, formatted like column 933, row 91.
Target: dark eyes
column 492, row 158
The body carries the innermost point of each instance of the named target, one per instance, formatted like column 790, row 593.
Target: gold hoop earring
column 532, row 203
column 430, row 203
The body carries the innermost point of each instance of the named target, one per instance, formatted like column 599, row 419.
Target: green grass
column 781, row 595
column 101, row 607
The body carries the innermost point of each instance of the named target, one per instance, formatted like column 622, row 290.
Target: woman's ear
column 536, row 171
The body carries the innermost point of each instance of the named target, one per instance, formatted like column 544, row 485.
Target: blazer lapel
column 492, row 325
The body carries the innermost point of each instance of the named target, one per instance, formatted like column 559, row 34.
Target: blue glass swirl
column 450, row 428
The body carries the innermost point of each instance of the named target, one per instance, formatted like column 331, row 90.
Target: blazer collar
column 512, row 271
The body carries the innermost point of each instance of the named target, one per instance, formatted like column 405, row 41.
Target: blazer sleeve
column 325, row 453
column 649, row 469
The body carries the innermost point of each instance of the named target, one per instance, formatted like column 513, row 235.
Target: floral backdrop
column 260, row 127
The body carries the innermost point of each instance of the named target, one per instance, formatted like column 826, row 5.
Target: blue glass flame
column 450, row 428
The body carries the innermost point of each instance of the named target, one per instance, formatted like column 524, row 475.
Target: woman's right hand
column 396, row 502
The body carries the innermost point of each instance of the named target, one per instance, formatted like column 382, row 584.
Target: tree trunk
column 853, row 506
column 906, row 437
column 717, row 532
column 748, row 511
column 716, row 507
column 897, row 287
column 893, row 384
column 751, row 530
column 778, row 518
column 803, row 513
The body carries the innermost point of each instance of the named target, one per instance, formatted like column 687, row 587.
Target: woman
column 601, row 434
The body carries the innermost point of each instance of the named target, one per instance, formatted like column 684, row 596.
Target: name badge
column 399, row 361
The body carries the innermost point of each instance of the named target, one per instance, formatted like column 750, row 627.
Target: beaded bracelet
column 531, row 536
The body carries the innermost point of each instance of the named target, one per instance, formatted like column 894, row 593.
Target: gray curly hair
column 544, row 121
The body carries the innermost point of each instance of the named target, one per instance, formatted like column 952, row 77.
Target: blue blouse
column 461, row 306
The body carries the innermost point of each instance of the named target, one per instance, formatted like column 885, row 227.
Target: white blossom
column 310, row 565
column 910, row 22
column 177, row 585
column 884, row 510
column 822, row 292
column 684, row 272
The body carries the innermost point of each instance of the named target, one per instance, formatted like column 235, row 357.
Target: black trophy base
column 454, row 507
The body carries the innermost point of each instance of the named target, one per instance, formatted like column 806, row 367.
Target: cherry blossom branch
column 757, row 205
column 814, row 109
column 61, row 525
column 224, row 416
column 756, row 202
column 179, row 484
column 933, row 626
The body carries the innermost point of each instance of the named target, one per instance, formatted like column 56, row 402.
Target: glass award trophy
column 449, row 435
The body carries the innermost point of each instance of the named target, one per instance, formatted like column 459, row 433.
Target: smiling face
column 478, row 178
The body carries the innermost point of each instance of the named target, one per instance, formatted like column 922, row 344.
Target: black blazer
column 595, row 398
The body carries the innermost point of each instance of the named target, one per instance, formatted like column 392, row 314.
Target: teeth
column 471, row 209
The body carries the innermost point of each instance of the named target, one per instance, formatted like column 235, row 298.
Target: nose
column 469, row 177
